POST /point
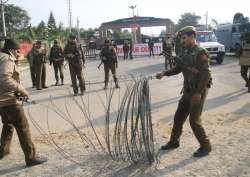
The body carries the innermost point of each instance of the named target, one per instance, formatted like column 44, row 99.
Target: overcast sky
column 92, row 13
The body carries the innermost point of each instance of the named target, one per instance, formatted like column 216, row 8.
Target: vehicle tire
column 220, row 58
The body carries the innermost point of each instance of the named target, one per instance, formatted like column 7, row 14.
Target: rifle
column 180, row 63
column 100, row 65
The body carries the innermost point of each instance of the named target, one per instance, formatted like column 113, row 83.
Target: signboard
column 141, row 49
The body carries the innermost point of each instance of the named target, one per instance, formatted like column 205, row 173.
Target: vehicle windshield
column 206, row 37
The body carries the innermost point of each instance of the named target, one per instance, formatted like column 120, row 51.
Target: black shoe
column 2, row 155
column 202, row 151
column 117, row 86
column 75, row 94
column 36, row 161
column 44, row 87
column 82, row 93
column 39, row 88
column 56, row 84
column 170, row 146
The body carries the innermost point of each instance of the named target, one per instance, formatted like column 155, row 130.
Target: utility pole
column 134, row 27
column 3, row 18
column 206, row 15
column 78, row 30
column 70, row 15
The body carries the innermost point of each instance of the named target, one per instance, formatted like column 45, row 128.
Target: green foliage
column 16, row 19
column 188, row 19
column 51, row 27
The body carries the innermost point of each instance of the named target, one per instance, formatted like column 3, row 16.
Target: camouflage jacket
column 108, row 54
column 74, row 54
column 39, row 56
column 9, row 80
column 194, row 65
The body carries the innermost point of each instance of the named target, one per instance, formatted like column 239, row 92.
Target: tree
column 16, row 19
column 188, row 19
column 239, row 18
column 51, row 26
column 42, row 31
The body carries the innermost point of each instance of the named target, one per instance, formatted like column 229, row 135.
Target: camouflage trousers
column 13, row 117
column 58, row 67
column 185, row 109
column 110, row 67
column 244, row 73
column 76, row 72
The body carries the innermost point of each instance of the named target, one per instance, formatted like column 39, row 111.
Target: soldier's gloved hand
column 159, row 75
column 196, row 98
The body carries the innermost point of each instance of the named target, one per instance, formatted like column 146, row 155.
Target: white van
column 207, row 40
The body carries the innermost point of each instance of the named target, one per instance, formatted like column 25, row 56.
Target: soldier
column 194, row 65
column 109, row 58
column 130, row 50
column 177, row 43
column 245, row 59
column 56, row 58
column 167, row 48
column 30, row 59
column 125, row 50
column 11, row 111
column 75, row 56
column 40, row 58
column 151, row 47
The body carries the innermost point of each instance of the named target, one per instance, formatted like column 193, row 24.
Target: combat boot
column 3, row 154
column 170, row 145
column 117, row 85
column 105, row 86
column 202, row 151
column 62, row 83
column 56, row 83
column 36, row 161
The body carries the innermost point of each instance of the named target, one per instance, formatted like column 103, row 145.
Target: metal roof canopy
column 136, row 22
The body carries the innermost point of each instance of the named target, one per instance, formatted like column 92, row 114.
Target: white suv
column 207, row 40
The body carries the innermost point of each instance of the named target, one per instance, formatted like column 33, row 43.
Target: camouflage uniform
column 109, row 58
column 245, row 59
column 167, row 48
column 30, row 59
column 194, row 65
column 40, row 58
column 75, row 56
column 56, row 58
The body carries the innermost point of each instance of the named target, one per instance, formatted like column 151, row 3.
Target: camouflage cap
column 187, row 29
column 11, row 44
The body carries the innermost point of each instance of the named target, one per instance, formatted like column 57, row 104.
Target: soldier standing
column 151, row 47
column 194, row 65
column 125, row 50
column 245, row 59
column 130, row 50
column 109, row 58
column 30, row 59
column 11, row 111
column 75, row 56
column 167, row 49
column 56, row 58
column 40, row 58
